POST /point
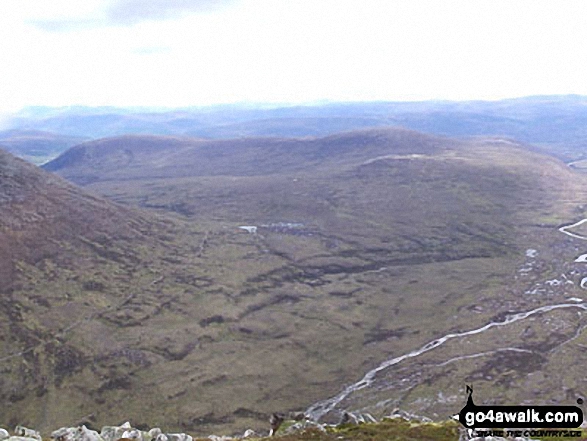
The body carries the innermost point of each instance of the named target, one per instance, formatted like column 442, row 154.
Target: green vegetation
column 369, row 246
column 389, row 429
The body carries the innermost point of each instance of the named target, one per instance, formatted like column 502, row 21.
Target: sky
column 177, row 53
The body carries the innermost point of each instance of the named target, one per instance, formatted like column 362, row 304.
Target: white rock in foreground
column 25, row 432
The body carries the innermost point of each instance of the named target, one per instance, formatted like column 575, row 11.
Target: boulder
column 133, row 434
column 27, row 433
column 178, row 437
column 63, row 434
column 114, row 433
column 82, row 433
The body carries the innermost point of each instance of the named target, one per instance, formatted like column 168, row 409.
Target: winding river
column 318, row 410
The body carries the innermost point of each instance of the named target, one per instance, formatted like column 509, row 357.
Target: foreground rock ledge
column 387, row 429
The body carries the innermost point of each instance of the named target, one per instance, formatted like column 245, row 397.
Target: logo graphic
column 472, row 416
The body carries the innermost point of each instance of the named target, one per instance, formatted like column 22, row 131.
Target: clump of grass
column 389, row 429
column 386, row 430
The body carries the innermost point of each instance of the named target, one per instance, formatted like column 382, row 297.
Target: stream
column 321, row 408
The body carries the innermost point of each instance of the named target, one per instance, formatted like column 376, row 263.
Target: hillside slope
column 144, row 157
column 373, row 243
column 74, row 268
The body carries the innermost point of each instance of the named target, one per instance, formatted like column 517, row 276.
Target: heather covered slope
column 372, row 243
column 39, row 210
column 70, row 262
column 144, row 157
column 348, row 176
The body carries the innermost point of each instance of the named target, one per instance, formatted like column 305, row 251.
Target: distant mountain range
column 37, row 146
column 553, row 123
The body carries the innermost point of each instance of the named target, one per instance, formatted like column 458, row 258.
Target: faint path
column 582, row 258
column 482, row 354
column 568, row 233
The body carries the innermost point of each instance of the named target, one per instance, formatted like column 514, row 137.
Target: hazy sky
column 197, row 52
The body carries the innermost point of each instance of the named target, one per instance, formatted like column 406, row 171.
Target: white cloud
column 69, row 16
column 190, row 53
column 136, row 11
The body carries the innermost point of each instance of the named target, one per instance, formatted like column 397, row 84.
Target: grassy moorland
column 397, row 429
column 369, row 245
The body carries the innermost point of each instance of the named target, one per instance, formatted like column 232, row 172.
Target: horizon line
column 280, row 104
